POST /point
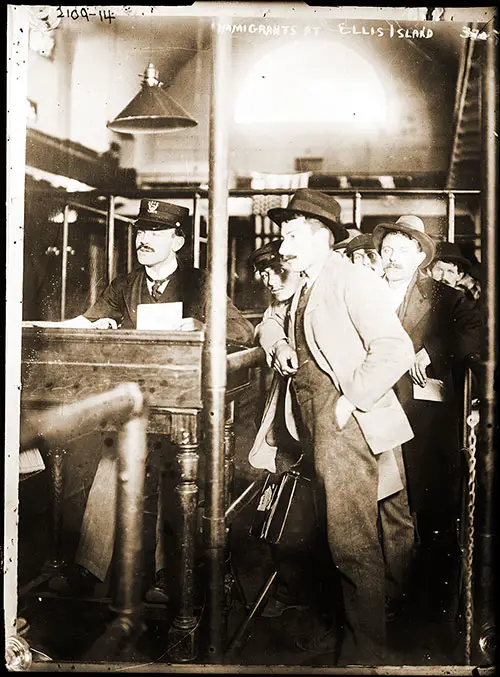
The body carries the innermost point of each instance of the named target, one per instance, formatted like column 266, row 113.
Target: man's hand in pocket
column 343, row 410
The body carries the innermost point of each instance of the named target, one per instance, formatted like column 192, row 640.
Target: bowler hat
column 312, row 203
column 363, row 241
column 160, row 215
column 450, row 252
column 267, row 255
column 410, row 225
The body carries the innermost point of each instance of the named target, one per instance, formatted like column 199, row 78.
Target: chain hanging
column 472, row 422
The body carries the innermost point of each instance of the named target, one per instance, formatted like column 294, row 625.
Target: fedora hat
column 160, row 215
column 266, row 256
column 312, row 203
column 450, row 252
column 410, row 225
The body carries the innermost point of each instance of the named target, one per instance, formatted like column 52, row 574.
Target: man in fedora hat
column 343, row 350
column 160, row 277
column 449, row 264
column 444, row 328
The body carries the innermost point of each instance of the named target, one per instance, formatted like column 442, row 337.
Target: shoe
column 157, row 593
column 22, row 626
column 275, row 608
column 328, row 641
column 79, row 582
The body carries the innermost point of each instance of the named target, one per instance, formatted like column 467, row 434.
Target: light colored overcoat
column 357, row 339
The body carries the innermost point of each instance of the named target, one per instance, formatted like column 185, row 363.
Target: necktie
column 155, row 291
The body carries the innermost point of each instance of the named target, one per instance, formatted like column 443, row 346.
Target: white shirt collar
column 167, row 272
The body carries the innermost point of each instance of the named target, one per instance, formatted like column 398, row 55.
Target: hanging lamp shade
column 152, row 110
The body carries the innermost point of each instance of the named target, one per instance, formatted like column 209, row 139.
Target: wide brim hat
column 160, row 215
column 266, row 256
column 410, row 225
column 313, row 204
column 450, row 253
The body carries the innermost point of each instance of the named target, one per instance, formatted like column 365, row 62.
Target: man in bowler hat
column 343, row 351
column 444, row 327
column 449, row 264
column 159, row 278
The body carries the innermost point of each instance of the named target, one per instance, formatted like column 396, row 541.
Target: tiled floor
column 65, row 629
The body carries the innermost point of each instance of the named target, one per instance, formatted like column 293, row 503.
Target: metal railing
column 53, row 430
column 198, row 194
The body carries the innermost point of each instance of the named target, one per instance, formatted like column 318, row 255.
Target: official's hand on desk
column 190, row 324
column 285, row 359
column 104, row 323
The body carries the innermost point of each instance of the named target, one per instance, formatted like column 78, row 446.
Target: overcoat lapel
column 418, row 305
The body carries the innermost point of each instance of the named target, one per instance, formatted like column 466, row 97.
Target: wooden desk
column 62, row 365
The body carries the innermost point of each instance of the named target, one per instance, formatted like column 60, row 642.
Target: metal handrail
column 126, row 407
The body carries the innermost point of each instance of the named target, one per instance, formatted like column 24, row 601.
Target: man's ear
column 178, row 242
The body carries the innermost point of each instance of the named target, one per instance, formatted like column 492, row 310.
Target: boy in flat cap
column 362, row 251
column 274, row 450
column 160, row 278
column 343, row 351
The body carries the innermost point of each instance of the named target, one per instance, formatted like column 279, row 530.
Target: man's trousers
column 371, row 541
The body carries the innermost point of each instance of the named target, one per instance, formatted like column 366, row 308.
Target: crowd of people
column 367, row 336
column 369, row 353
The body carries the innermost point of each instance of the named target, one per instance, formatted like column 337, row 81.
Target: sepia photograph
column 251, row 339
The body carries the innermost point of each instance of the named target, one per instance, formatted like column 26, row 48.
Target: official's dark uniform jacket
column 120, row 299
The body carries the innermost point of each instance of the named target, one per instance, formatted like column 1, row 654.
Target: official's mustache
column 144, row 248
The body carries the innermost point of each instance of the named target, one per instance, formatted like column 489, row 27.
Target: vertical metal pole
column 130, row 247
column 110, row 239
column 450, row 213
column 214, row 355
column 232, row 268
column 484, row 618
column 196, row 230
column 64, row 261
column 356, row 210
column 132, row 452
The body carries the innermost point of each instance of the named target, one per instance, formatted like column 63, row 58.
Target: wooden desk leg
column 54, row 564
column 182, row 636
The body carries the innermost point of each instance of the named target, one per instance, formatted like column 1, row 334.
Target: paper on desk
column 433, row 391
column 159, row 316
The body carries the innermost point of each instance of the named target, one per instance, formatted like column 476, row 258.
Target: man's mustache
column 288, row 258
column 145, row 248
column 393, row 265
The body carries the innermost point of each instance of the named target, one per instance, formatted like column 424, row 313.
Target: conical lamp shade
column 152, row 110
